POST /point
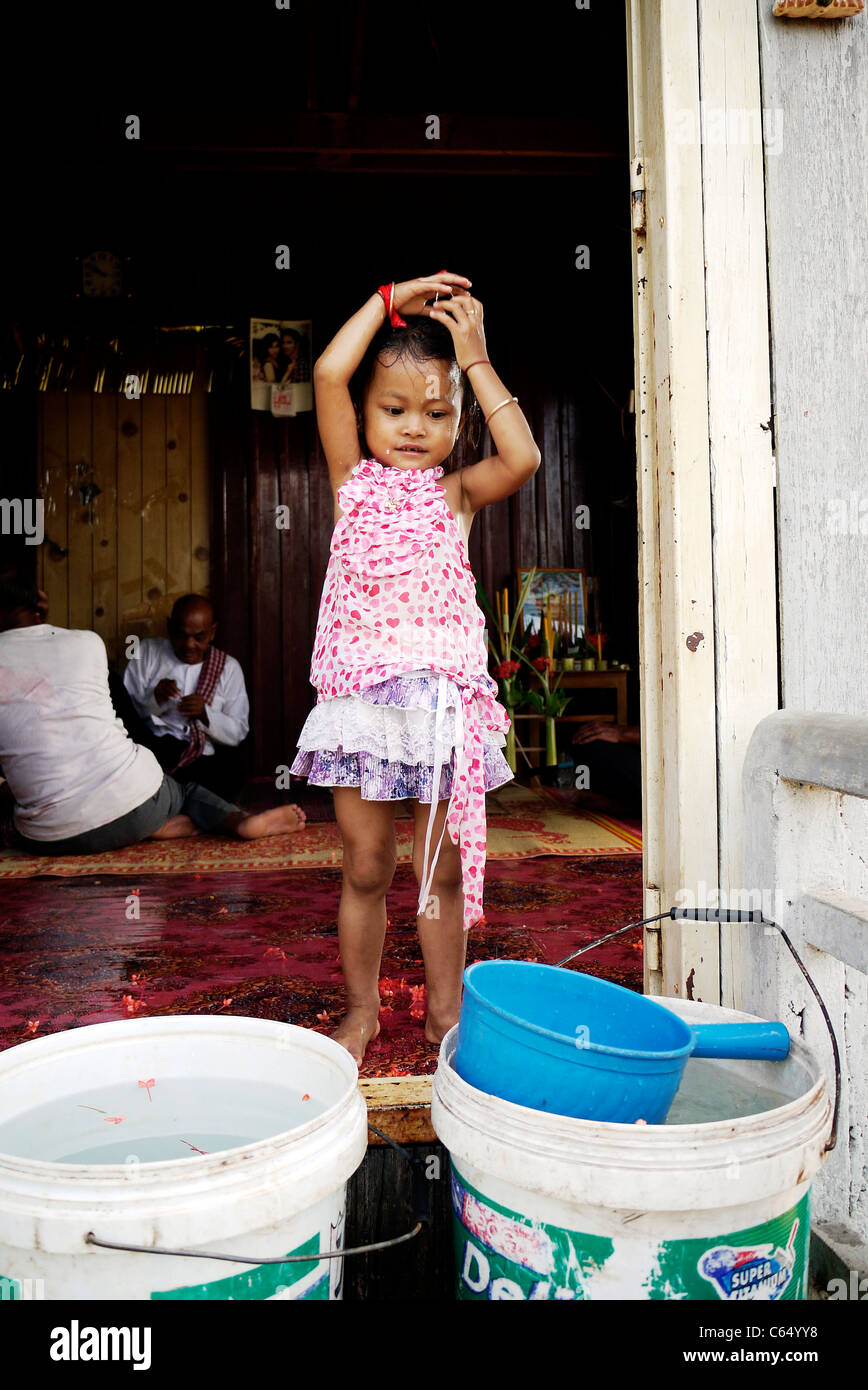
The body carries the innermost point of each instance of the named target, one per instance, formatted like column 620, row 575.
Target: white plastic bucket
column 277, row 1196
column 549, row 1207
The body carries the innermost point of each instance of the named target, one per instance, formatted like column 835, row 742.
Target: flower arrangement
column 512, row 645
column 594, row 643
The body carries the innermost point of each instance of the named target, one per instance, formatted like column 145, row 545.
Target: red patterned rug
column 265, row 945
column 521, row 822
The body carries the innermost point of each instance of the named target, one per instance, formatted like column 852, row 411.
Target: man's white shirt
column 65, row 753
column 228, row 710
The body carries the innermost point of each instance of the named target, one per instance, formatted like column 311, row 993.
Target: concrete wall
column 806, row 829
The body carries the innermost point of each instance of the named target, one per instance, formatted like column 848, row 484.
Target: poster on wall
column 280, row 365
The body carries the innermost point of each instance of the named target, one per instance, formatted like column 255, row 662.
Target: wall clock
column 102, row 275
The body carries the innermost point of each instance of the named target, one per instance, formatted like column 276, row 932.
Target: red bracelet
column 388, row 294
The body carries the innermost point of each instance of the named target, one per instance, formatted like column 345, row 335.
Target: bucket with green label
column 713, row 1205
column 183, row 1158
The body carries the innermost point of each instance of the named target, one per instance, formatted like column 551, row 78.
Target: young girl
column 405, row 707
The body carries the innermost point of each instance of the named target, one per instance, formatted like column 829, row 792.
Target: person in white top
column 79, row 783
column 190, row 702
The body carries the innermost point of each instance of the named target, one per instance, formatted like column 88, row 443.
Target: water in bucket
column 174, row 1118
column 710, row 1091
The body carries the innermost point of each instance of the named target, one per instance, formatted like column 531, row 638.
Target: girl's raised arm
column 335, row 413
column 518, row 456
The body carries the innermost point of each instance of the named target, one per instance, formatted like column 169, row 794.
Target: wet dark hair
column 423, row 340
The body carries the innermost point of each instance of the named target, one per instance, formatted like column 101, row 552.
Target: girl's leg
column 370, row 855
column 440, row 924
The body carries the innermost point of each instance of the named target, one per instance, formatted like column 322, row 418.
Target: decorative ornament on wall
column 817, row 9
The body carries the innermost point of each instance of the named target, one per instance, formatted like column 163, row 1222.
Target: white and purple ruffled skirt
column 383, row 741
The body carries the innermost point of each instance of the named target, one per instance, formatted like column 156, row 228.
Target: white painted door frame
column 708, row 626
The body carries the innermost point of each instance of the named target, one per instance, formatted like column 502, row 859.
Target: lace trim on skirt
column 382, row 740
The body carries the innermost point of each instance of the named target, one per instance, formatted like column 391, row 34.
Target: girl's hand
column 462, row 315
column 410, row 295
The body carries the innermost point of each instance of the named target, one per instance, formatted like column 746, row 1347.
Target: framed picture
column 561, row 593
column 280, row 365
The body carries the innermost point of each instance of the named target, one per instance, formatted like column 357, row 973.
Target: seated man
column 190, row 703
column 613, row 757
column 79, row 783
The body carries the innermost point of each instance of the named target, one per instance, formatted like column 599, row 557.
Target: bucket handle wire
column 421, row 1210
column 725, row 914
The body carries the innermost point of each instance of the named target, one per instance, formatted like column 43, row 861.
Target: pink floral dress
column 405, row 704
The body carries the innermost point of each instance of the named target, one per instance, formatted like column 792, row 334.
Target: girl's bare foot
column 279, row 820
column 438, row 1025
column 176, row 828
column 358, row 1027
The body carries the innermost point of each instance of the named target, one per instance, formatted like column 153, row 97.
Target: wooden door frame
column 707, row 595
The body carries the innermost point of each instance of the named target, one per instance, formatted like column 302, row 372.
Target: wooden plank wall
column 815, row 104
column 117, row 562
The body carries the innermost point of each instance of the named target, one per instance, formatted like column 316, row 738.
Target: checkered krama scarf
column 206, row 686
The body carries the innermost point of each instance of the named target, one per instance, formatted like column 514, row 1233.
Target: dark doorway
column 316, row 136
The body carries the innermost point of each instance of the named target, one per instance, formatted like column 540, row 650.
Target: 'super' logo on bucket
column 750, row 1272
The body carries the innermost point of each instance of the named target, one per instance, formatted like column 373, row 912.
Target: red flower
column 542, row 663
column 533, row 641
column 506, row 669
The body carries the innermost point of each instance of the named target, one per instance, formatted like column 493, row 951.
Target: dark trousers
column 222, row 772
column 205, row 810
